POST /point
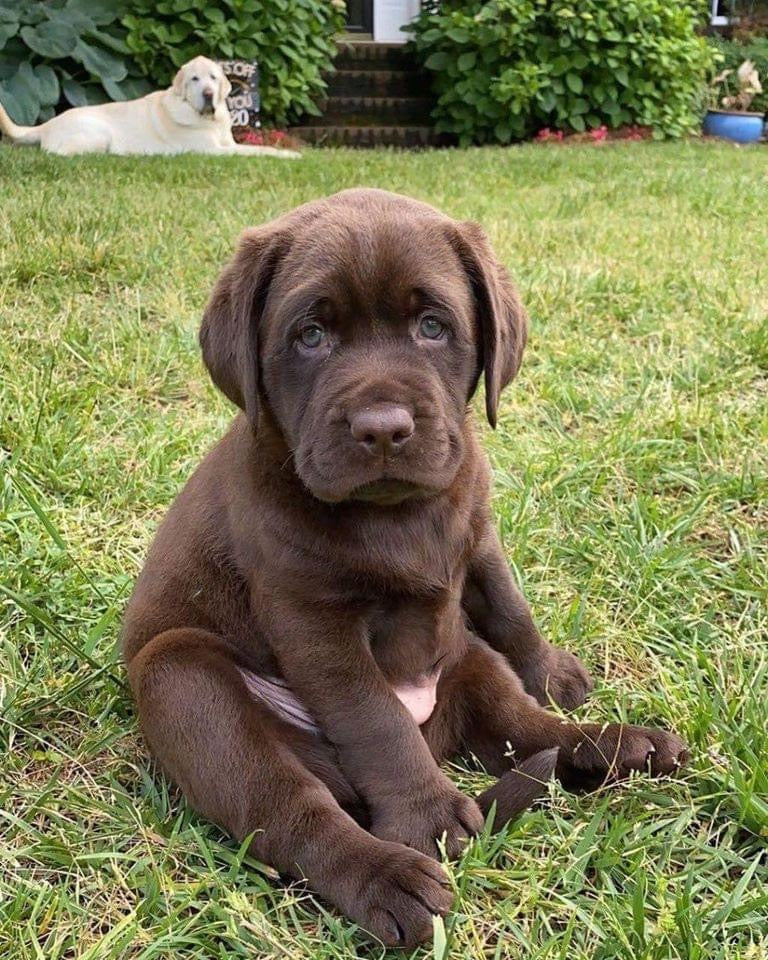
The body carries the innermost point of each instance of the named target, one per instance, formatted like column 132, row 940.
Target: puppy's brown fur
column 341, row 565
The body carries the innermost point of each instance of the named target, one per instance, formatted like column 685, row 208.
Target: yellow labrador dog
column 190, row 117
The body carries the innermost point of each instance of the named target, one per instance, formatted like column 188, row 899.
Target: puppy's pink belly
column 418, row 699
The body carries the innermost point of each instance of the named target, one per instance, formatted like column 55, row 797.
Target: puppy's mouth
column 328, row 475
column 388, row 492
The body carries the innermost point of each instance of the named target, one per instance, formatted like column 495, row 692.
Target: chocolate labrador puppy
column 326, row 612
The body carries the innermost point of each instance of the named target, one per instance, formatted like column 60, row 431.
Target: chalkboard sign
column 243, row 100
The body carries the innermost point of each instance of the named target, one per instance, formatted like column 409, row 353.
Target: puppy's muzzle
column 382, row 430
column 207, row 100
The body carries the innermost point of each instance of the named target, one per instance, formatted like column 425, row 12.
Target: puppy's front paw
column 395, row 894
column 558, row 676
column 613, row 752
column 444, row 814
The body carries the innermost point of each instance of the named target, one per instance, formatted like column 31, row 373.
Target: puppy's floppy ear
column 178, row 83
column 502, row 320
column 229, row 332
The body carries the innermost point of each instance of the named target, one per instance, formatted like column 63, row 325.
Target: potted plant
column 729, row 115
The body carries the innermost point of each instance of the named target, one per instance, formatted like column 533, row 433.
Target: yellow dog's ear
column 178, row 83
column 224, row 88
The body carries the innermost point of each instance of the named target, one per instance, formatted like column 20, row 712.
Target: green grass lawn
column 631, row 494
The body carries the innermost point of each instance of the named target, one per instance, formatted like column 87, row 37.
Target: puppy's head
column 202, row 84
column 363, row 322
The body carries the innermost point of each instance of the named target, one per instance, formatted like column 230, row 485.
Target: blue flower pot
column 740, row 127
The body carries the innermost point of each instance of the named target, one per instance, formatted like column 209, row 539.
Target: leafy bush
column 73, row 48
column 505, row 68
column 291, row 39
column 733, row 54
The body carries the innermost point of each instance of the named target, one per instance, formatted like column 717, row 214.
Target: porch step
column 376, row 96
column 372, row 55
column 370, row 111
column 375, row 83
column 378, row 136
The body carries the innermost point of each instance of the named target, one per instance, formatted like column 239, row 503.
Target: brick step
column 371, row 136
column 376, row 96
column 375, row 83
column 362, row 55
column 373, row 111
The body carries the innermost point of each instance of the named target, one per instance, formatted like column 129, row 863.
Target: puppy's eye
column 195, row 79
column 431, row 328
column 313, row 336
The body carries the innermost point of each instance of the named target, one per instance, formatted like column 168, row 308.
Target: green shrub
column 73, row 48
column 733, row 54
column 504, row 69
column 291, row 39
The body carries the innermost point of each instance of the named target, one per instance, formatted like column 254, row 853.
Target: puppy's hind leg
column 517, row 789
column 237, row 766
column 484, row 710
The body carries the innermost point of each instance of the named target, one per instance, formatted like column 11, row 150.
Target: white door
column 389, row 16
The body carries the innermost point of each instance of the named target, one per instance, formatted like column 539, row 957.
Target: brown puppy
column 326, row 612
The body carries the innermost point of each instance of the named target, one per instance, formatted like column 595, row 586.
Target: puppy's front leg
column 326, row 661
column 499, row 614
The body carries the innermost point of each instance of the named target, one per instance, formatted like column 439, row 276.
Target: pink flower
column 253, row 137
column 599, row 134
column 634, row 133
column 546, row 134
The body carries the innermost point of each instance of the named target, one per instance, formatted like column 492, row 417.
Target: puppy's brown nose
column 383, row 430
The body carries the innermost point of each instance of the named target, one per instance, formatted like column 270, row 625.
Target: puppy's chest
column 414, row 643
column 371, row 555
column 407, row 636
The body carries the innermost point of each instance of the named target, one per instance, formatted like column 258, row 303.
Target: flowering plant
column 546, row 134
column 264, row 138
column 724, row 96
column 503, row 69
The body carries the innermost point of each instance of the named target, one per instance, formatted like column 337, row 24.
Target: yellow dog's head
column 203, row 85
